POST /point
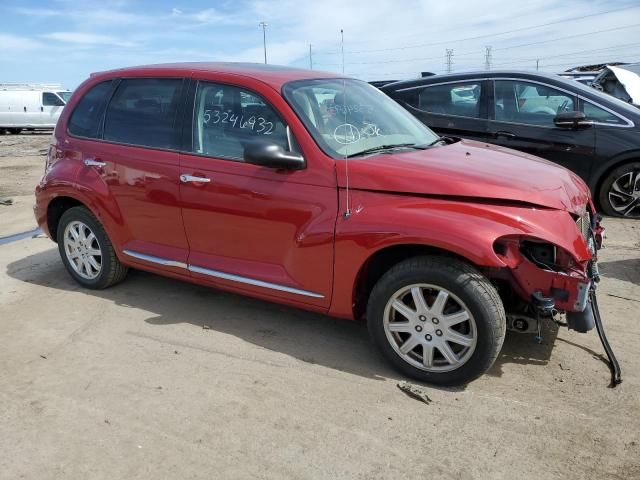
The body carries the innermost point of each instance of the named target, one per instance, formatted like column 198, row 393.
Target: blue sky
column 65, row 40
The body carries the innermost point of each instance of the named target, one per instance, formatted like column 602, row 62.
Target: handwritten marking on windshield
column 346, row 134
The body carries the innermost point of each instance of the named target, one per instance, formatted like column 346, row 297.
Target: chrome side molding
column 160, row 261
column 223, row 275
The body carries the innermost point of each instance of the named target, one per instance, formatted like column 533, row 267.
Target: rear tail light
column 53, row 155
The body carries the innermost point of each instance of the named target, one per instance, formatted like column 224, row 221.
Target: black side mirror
column 272, row 155
column 571, row 120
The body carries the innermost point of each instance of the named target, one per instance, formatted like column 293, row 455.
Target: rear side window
column 226, row 118
column 600, row 115
column 460, row 99
column 51, row 100
column 144, row 112
column 85, row 119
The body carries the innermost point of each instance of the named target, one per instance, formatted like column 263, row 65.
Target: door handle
column 92, row 162
column 184, row 178
column 504, row 134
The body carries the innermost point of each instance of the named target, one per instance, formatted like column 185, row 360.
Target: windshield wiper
column 443, row 139
column 382, row 148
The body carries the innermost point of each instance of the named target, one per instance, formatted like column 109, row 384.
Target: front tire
column 619, row 194
column 86, row 251
column 437, row 319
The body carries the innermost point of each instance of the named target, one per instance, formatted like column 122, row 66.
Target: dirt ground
column 22, row 160
column 156, row 379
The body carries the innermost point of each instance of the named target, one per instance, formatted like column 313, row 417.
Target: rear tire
column 437, row 319
column 619, row 194
column 14, row 131
column 86, row 251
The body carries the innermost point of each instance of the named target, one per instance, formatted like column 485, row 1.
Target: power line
column 568, row 54
column 417, row 59
column 556, row 22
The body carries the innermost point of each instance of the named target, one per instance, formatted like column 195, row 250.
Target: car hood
column 469, row 169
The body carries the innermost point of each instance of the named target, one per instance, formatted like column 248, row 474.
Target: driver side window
column 226, row 118
column 530, row 103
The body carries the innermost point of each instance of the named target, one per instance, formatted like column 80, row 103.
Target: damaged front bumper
column 554, row 281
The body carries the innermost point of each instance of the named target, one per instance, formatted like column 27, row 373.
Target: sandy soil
column 22, row 160
column 155, row 378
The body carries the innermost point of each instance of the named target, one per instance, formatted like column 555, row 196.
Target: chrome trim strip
column 161, row 261
column 225, row 276
column 629, row 123
column 251, row 281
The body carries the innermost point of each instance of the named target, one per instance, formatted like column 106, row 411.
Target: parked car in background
column 621, row 81
column 595, row 135
column 30, row 106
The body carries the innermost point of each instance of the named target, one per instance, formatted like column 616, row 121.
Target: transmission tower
column 449, row 60
column 487, row 58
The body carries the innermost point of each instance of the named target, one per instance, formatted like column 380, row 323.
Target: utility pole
column 449, row 59
column 264, row 38
column 487, row 58
column 537, row 65
column 342, row 48
column 310, row 58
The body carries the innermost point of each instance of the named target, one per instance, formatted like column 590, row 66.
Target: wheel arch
column 56, row 209
column 380, row 261
column 603, row 172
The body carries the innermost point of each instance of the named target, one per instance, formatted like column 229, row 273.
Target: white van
column 30, row 106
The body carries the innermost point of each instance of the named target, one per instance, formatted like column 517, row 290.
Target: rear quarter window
column 86, row 116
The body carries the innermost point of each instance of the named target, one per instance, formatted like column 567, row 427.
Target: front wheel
column 437, row 320
column 620, row 192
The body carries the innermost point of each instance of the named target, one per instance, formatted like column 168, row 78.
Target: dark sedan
column 595, row 135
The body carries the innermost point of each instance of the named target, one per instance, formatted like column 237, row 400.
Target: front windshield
column 65, row 96
column 347, row 117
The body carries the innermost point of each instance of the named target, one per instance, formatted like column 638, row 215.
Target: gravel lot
column 160, row 379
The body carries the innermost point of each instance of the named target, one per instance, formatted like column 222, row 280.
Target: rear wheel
column 86, row 250
column 620, row 191
column 14, row 131
column 437, row 320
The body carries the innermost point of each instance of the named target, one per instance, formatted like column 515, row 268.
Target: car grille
column 584, row 225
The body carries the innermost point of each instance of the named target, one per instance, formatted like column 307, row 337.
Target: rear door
column 522, row 118
column 260, row 230
column 454, row 108
column 133, row 164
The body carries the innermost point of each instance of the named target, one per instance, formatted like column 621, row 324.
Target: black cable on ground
column 614, row 366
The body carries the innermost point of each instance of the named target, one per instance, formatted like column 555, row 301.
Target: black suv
column 595, row 135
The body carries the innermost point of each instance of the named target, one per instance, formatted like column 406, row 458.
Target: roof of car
column 274, row 75
column 468, row 75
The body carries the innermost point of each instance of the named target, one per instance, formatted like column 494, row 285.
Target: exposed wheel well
column 380, row 262
column 55, row 210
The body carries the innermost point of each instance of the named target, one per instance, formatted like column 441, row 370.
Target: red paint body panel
column 471, row 169
column 288, row 228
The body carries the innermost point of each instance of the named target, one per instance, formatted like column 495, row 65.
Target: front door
column 263, row 231
column 523, row 114
column 50, row 110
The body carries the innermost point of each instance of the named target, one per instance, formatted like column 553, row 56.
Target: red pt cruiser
column 319, row 192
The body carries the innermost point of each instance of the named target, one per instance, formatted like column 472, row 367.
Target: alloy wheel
column 624, row 194
column 430, row 328
column 82, row 250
